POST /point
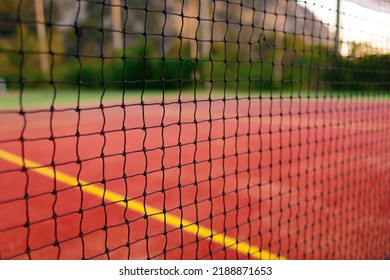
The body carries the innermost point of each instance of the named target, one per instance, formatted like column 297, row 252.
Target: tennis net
column 202, row 129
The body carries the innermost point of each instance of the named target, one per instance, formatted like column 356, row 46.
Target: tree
column 8, row 15
column 41, row 31
column 116, row 24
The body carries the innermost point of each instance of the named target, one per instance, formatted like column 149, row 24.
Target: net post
column 337, row 35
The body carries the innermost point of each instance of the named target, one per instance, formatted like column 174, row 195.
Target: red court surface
column 290, row 178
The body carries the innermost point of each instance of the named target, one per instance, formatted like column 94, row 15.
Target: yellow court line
column 142, row 209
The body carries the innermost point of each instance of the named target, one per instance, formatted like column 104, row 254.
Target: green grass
column 65, row 98
column 34, row 99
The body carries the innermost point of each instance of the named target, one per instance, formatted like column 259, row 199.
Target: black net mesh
column 222, row 129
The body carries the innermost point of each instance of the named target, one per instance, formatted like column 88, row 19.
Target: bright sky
column 358, row 24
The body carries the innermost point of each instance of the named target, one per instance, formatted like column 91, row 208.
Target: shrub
column 130, row 72
column 363, row 73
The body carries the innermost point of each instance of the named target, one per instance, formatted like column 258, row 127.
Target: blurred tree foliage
column 365, row 73
column 81, row 53
column 19, row 48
